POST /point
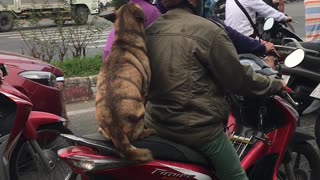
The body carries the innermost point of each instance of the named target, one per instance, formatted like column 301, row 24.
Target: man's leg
column 224, row 158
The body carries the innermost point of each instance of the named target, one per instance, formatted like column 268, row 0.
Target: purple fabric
column 151, row 13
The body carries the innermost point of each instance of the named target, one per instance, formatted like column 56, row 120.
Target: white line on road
column 81, row 111
column 98, row 46
column 56, row 33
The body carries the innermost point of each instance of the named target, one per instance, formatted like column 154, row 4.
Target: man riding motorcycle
column 194, row 64
column 242, row 43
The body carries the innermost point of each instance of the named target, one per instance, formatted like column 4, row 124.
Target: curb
column 78, row 89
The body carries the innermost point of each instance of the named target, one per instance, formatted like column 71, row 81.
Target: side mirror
column 295, row 58
column 268, row 24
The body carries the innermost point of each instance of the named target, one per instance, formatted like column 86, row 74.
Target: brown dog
column 123, row 83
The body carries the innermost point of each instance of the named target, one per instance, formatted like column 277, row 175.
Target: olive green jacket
column 193, row 64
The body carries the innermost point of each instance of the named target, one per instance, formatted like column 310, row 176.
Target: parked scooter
column 29, row 140
column 263, row 150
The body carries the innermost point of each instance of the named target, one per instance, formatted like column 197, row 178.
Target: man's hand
column 289, row 19
column 269, row 46
column 270, row 61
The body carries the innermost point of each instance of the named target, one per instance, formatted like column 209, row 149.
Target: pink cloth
column 151, row 13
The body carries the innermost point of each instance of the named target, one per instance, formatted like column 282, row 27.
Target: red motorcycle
column 265, row 129
column 29, row 140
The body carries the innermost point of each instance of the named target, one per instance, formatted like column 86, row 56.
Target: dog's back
column 123, row 83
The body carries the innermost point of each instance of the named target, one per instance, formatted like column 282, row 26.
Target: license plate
column 316, row 92
column 285, row 78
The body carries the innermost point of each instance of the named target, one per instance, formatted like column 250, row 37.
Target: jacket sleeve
column 225, row 67
column 245, row 44
column 265, row 10
column 242, row 43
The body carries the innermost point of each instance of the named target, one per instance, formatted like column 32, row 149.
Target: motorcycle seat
column 161, row 149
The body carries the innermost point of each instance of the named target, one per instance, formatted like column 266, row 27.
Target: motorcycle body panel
column 301, row 135
column 314, row 107
column 16, row 109
column 156, row 169
column 37, row 119
column 290, row 34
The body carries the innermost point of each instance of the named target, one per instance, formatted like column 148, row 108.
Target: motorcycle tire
column 26, row 164
column 310, row 156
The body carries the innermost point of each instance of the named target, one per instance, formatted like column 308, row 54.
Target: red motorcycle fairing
column 37, row 119
column 156, row 169
column 23, row 108
column 276, row 141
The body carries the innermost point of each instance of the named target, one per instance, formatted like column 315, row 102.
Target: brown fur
column 123, row 83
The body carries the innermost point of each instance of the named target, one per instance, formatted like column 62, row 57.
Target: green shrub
column 80, row 67
column 118, row 3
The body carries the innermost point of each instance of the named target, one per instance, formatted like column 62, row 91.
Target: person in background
column 236, row 19
column 312, row 20
column 151, row 13
column 242, row 43
column 194, row 64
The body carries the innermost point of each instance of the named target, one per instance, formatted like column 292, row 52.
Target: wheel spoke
column 297, row 161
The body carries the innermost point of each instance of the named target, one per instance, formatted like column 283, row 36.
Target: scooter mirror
column 268, row 24
column 295, row 58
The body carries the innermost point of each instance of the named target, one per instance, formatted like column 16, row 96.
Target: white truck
column 57, row 10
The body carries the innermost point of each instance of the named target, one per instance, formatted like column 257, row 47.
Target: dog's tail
column 122, row 143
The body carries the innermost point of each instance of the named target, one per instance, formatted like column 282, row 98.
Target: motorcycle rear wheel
column 27, row 165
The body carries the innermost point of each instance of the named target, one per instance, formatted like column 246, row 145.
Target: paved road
column 82, row 117
column 296, row 10
column 13, row 40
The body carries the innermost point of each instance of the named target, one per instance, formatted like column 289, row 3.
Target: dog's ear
column 139, row 15
column 110, row 16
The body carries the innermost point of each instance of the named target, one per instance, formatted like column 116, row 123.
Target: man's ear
column 110, row 16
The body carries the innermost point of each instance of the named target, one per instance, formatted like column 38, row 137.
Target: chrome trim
column 60, row 79
column 85, row 141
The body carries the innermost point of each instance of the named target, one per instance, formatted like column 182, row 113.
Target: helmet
column 200, row 7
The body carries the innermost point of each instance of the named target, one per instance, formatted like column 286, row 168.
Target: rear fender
column 314, row 107
column 37, row 119
column 301, row 135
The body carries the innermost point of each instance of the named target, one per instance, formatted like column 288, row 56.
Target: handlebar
column 297, row 46
column 285, row 95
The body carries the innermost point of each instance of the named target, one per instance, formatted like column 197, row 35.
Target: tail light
column 76, row 157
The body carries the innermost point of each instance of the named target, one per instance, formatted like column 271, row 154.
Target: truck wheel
column 81, row 15
column 6, row 22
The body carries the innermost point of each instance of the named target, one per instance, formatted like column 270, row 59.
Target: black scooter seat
column 161, row 149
